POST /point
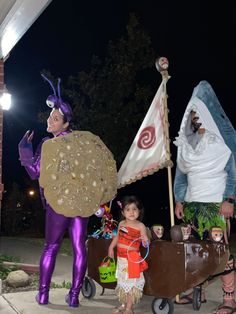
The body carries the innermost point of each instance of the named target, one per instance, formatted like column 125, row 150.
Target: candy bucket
column 107, row 270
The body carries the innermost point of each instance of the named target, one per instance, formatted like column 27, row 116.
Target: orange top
column 127, row 235
column 130, row 237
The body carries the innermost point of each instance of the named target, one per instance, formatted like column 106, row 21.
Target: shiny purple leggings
column 56, row 225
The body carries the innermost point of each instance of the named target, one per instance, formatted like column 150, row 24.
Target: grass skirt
column 128, row 286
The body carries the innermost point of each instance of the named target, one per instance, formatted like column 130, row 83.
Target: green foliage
column 64, row 284
column 203, row 216
column 35, row 279
column 4, row 271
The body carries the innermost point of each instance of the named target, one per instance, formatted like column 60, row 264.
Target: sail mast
column 162, row 65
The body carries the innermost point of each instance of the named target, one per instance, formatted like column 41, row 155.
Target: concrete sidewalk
column 24, row 302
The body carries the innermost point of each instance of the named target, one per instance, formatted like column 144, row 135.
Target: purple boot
column 72, row 299
column 80, row 260
column 47, row 264
column 43, row 295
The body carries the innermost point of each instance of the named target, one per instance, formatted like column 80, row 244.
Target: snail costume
column 205, row 178
column 76, row 173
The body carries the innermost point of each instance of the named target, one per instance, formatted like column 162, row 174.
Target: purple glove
column 26, row 149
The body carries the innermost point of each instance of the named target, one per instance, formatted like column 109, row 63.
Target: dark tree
column 112, row 98
column 13, row 205
column 22, row 213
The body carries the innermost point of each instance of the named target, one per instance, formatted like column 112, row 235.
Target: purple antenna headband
column 55, row 100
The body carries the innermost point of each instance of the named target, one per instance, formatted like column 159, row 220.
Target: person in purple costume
column 58, row 123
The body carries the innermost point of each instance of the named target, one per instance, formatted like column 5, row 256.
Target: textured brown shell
column 78, row 174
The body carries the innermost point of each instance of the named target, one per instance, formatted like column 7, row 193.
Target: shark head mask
column 203, row 155
column 211, row 117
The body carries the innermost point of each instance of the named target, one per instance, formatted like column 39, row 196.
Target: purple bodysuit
column 56, row 225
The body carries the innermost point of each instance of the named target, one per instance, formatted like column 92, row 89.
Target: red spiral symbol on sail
column 147, row 138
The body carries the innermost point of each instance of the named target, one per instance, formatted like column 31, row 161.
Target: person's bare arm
column 227, row 207
column 113, row 245
column 144, row 236
column 179, row 210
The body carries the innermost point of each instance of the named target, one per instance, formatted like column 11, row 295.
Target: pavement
column 24, row 302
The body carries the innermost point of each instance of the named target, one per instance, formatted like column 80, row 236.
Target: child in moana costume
column 130, row 265
column 76, row 174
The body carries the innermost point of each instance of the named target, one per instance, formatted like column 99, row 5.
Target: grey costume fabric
column 206, row 94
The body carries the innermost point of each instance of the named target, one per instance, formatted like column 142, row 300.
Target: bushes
column 4, row 271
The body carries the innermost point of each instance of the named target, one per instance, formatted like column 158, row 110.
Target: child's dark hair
column 126, row 200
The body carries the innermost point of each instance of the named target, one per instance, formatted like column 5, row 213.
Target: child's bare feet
column 128, row 311
column 118, row 309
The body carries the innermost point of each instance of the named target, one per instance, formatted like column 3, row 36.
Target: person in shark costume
column 206, row 171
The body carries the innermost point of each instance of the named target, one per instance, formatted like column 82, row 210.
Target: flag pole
column 162, row 65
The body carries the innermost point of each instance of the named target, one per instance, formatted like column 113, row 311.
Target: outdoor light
column 5, row 99
column 31, row 192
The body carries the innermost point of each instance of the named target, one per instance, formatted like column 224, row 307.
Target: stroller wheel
column 197, row 298
column 162, row 306
column 88, row 288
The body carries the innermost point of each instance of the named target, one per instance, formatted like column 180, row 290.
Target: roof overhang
column 16, row 17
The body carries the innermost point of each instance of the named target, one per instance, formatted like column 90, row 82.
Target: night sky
column 196, row 37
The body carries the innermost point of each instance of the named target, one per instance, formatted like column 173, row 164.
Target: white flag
column 148, row 153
